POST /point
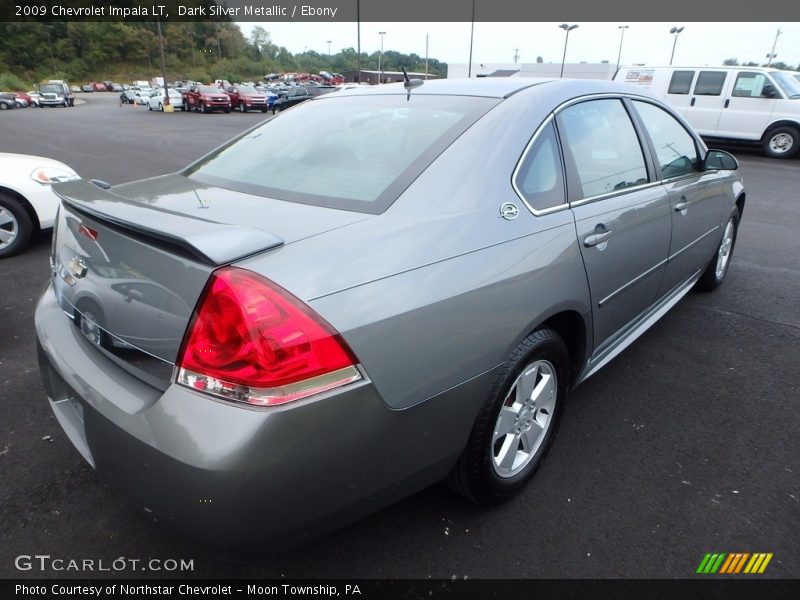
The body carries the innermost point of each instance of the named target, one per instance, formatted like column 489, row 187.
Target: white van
column 750, row 104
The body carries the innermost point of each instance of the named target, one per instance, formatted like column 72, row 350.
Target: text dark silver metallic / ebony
column 374, row 291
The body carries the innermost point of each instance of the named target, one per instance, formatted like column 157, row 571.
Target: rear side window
column 540, row 178
column 749, row 85
column 681, row 82
column 675, row 147
column 603, row 145
column 709, row 83
column 350, row 152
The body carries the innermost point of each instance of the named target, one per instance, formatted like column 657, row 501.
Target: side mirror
column 769, row 91
column 719, row 160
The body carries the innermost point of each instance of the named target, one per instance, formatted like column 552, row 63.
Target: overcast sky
column 650, row 43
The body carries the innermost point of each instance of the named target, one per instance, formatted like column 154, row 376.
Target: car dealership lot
column 685, row 444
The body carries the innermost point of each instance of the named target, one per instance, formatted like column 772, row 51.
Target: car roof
column 493, row 87
column 497, row 87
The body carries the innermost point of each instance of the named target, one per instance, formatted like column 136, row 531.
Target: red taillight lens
column 252, row 341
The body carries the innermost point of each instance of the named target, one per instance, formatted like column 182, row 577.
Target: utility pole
column 50, row 44
column 772, row 54
column 516, row 55
column 329, row 48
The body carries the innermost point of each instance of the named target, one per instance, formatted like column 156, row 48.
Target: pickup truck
column 247, row 97
column 205, row 98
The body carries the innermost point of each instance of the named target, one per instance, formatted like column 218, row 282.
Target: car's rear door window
column 675, row 148
column 352, row 152
column 602, row 145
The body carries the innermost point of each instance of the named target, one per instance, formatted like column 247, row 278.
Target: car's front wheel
column 717, row 267
column 15, row 226
column 781, row 142
column 517, row 423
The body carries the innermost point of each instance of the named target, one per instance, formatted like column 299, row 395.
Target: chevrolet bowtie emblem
column 77, row 268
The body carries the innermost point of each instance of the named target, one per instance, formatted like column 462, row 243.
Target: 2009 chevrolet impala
column 376, row 290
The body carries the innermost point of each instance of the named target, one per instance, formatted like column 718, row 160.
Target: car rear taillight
column 251, row 341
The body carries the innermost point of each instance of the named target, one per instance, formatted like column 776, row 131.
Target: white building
column 574, row 70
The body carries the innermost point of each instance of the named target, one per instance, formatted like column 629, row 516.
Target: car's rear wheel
column 517, row 423
column 16, row 226
column 718, row 266
column 242, row 108
column 160, row 107
column 3, row 106
column 781, row 142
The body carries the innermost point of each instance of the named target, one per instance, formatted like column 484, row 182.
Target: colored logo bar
column 733, row 563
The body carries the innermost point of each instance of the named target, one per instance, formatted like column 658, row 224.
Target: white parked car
column 27, row 204
column 156, row 99
column 142, row 96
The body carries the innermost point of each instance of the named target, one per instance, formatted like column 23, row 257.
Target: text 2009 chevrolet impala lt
column 372, row 292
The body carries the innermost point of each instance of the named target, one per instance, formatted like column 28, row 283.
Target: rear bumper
column 231, row 475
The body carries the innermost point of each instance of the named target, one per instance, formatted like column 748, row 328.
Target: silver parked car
column 376, row 290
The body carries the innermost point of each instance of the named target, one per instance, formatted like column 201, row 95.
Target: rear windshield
column 356, row 153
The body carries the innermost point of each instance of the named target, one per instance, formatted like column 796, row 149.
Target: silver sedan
column 374, row 291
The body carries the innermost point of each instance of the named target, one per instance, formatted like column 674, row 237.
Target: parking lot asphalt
column 685, row 444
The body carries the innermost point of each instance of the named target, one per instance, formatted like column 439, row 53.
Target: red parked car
column 99, row 87
column 205, row 98
column 29, row 99
column 247, row 97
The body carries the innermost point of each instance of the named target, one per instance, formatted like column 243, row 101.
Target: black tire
column 781, row 142
column 184, row 106
column 241, row 107
column 3, row 106
column 20, row 222
column 150, row 108
column 711, row 279
column 475, row 476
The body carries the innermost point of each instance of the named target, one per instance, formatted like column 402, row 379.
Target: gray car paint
column 431, row 295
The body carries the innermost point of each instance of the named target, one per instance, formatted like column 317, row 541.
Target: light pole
column 471, row 39
column 675, row 31
column 166, row 105
column 567, row 29
column 329, row 48
column 380, row 58
column 426, row 55
column 622, row 29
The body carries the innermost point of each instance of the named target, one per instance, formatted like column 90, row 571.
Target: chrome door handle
column 682, row 206
column 596, row 238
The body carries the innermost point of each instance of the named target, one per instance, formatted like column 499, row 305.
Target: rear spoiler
column 208, row 241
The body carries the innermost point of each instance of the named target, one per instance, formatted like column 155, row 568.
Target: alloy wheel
column 525, row 418
column 9, row 227
column 724, row 252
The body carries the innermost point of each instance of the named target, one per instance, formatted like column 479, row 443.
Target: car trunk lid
column 130, row 269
